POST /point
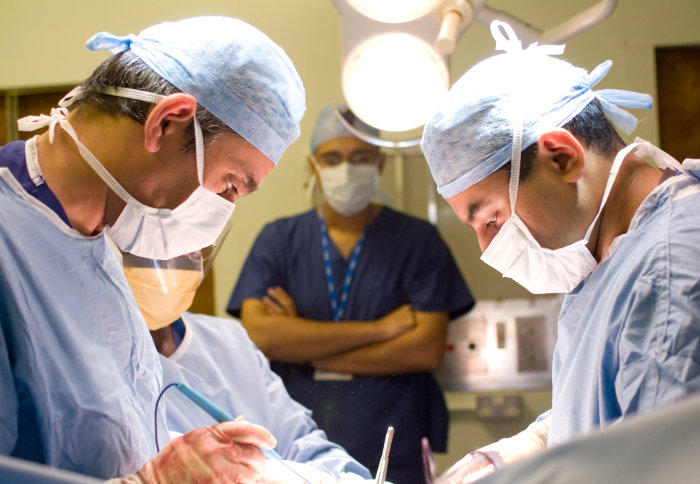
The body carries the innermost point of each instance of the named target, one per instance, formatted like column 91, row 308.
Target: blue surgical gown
column 629, row 335
column 217, row 358
column 403, row 261
column 79, row 374
column 661, row 447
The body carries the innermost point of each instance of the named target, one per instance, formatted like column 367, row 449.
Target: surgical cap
column 329, row 127
column 471, row 136
column 233, row 70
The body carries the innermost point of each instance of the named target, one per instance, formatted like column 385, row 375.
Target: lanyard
column 339, row 306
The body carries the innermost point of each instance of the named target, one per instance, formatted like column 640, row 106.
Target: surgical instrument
column 384, row 460
column 220, row 416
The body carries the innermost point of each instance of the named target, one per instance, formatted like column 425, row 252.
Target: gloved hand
column 527, row 442
column 483, row 461
column 223, row 453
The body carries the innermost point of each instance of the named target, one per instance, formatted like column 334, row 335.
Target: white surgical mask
column 516, row 254
column 154, row 233
column 348, row 188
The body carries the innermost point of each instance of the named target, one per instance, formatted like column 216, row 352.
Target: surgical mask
column 162, row 294
column 516, row 254
column 164, row 289
column 348, row 188
column 154, row 233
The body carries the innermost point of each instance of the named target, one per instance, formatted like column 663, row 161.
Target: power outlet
column 499, row 407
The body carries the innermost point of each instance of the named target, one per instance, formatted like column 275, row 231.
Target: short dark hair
column 591, row 127
column 125, row 69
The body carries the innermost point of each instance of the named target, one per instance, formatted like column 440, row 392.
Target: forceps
column 384, row 460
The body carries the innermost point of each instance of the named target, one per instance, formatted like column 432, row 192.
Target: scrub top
column 629, row 335
column 79, row 374
column 217, row 358
column 403, row 260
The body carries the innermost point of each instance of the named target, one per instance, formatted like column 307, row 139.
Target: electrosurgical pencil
column 221, row 416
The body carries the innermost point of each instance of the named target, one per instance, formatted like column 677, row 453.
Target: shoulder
column 212, row 324
column 213, row 333
column 406, row 224
column 11, row 151
column 283, row 227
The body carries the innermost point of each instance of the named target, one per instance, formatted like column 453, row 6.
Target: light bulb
column 393, row 11
column 394, row 82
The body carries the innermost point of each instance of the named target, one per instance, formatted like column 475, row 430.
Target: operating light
column 393, row 11
column 394, row 81
column 396, row 53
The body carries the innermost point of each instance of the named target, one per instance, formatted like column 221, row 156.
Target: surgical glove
column 527, row 442
column 485, row 460
column 223, row 453
column 468, row 469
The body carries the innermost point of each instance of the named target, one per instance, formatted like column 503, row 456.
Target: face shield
column 164, row 289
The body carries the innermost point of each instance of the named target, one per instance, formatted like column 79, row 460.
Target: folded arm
column 420, row 349
column 288, row 338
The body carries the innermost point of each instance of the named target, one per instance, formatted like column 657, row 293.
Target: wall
column 42, row 44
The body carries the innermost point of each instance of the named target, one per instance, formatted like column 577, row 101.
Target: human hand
column 223, row 453
column 468, row 469
column 397, row 322
column 278, row 301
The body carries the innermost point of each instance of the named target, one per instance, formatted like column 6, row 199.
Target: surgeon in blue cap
column 351, row 301
column 151, row 151
column 526, row 153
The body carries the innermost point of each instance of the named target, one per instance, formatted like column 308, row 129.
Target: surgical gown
column 217, row 358
column 629, row 335
column 646, row 449
column 79, row 374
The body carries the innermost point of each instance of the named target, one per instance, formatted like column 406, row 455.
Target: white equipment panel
column 505, row 344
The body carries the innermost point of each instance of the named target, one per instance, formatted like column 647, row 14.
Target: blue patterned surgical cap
column 471, row 136
column 328, row 126
column 233, row 70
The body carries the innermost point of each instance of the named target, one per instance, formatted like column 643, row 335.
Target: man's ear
column 564, row 152
column 171, row 113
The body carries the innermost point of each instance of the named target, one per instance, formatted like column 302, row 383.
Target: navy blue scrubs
column 12, row 157
column 403, row 260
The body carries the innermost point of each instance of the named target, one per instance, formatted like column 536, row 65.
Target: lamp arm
column 374, row 140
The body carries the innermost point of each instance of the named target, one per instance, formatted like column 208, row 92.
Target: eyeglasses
column 359, row 157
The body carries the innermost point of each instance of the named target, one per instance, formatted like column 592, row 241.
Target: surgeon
column 216, row 357
column 351, row 300
column 525, row 152
column 152, row 150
